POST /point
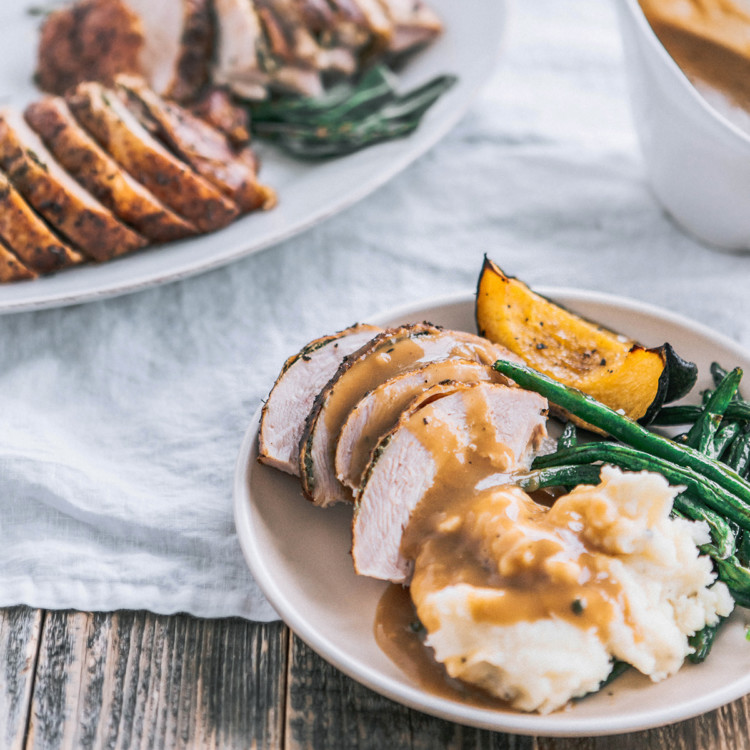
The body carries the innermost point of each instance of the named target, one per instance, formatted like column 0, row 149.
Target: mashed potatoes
column 538, row 602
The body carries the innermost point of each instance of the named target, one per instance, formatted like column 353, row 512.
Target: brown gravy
column 526, row 561
column 399, row 636
column 709, row 40
column 456, row 534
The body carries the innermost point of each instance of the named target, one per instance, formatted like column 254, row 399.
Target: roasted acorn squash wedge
column 612, row 368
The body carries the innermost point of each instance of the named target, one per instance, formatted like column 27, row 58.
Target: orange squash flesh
column 615, row 370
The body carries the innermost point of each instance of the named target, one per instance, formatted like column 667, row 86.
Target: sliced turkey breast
column 414, row 25
column 11, row 268
column 89, row 40
column 335, row 32
column 250, row 53
column 81, row 156
column 178, row 45
column 217, row 108
column 239, row 46
column 101, row 113
column 345, row 25
column 380, row 409
column 461, row 442
column 379, row 24
column 66, row 205
column 293, row 394
column 292, row 40
column 203, row 147
column 390, row 353
column 287, row 52
column 35, row 244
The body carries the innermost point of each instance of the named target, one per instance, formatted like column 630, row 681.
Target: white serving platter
column 309, row 192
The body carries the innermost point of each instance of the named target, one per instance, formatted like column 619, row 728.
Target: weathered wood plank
column 328, row 711
column 20, row 630
column 728, row 728
column 136, row 680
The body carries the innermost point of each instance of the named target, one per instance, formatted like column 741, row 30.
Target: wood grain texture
column 134, row 679
column 327, row 710
column 138, row 680
column 20, row 629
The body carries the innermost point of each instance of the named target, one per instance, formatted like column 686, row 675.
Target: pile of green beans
column 711, row 460
column 348, row 117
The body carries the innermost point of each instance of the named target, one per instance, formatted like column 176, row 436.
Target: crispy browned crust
column 216, row 107
column 91, row 40
column 307, row 477
column 88, row 224
column 11, row 268
column 192, row 72
column 85, row 160
column 202, row 146
column 170, row 179
column 35, row 244
column 303, row 354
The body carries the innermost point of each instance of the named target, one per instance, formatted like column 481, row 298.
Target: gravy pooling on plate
column 399, row 635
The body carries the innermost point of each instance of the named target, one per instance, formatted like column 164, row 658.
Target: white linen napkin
column 120, row 421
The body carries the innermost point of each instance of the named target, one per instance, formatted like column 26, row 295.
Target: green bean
column 558, row 476
column 702, row 641
column 630, row 432
column 743, row 548
column 669, row 416
column 373, row 113
column 375, row 86
column 718, row 373
column 737, row 578
column 739, row 410
column 709, row 492
column 723, row 533
column 701, row 434
column 726, row 434
column 738, row 455
column 568, row 438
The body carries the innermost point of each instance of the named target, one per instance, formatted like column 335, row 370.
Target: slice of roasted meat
column 202, row 146
column 66, row 205
column 338, row 23
column 493, row 427
column 374, row 17
column 240, row 43
column 35, row 244
column 100, row 111
column 178, row 46
column 90, row 40
column 93, row 168
column 11, row 268
column 379, row 410
column 390, row 353
column 293, row 41
column 216, row 107
column 253, row 53
column 302, row 377
column 414, row 25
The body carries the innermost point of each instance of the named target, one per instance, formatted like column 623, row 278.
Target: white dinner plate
column 308, row 191
column 299, row 555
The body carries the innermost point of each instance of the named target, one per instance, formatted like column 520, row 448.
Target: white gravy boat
column 698, row 160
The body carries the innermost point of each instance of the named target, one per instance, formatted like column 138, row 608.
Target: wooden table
column 135, row 679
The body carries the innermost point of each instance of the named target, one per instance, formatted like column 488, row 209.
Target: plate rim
column 412, row 696
column 39, row 298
